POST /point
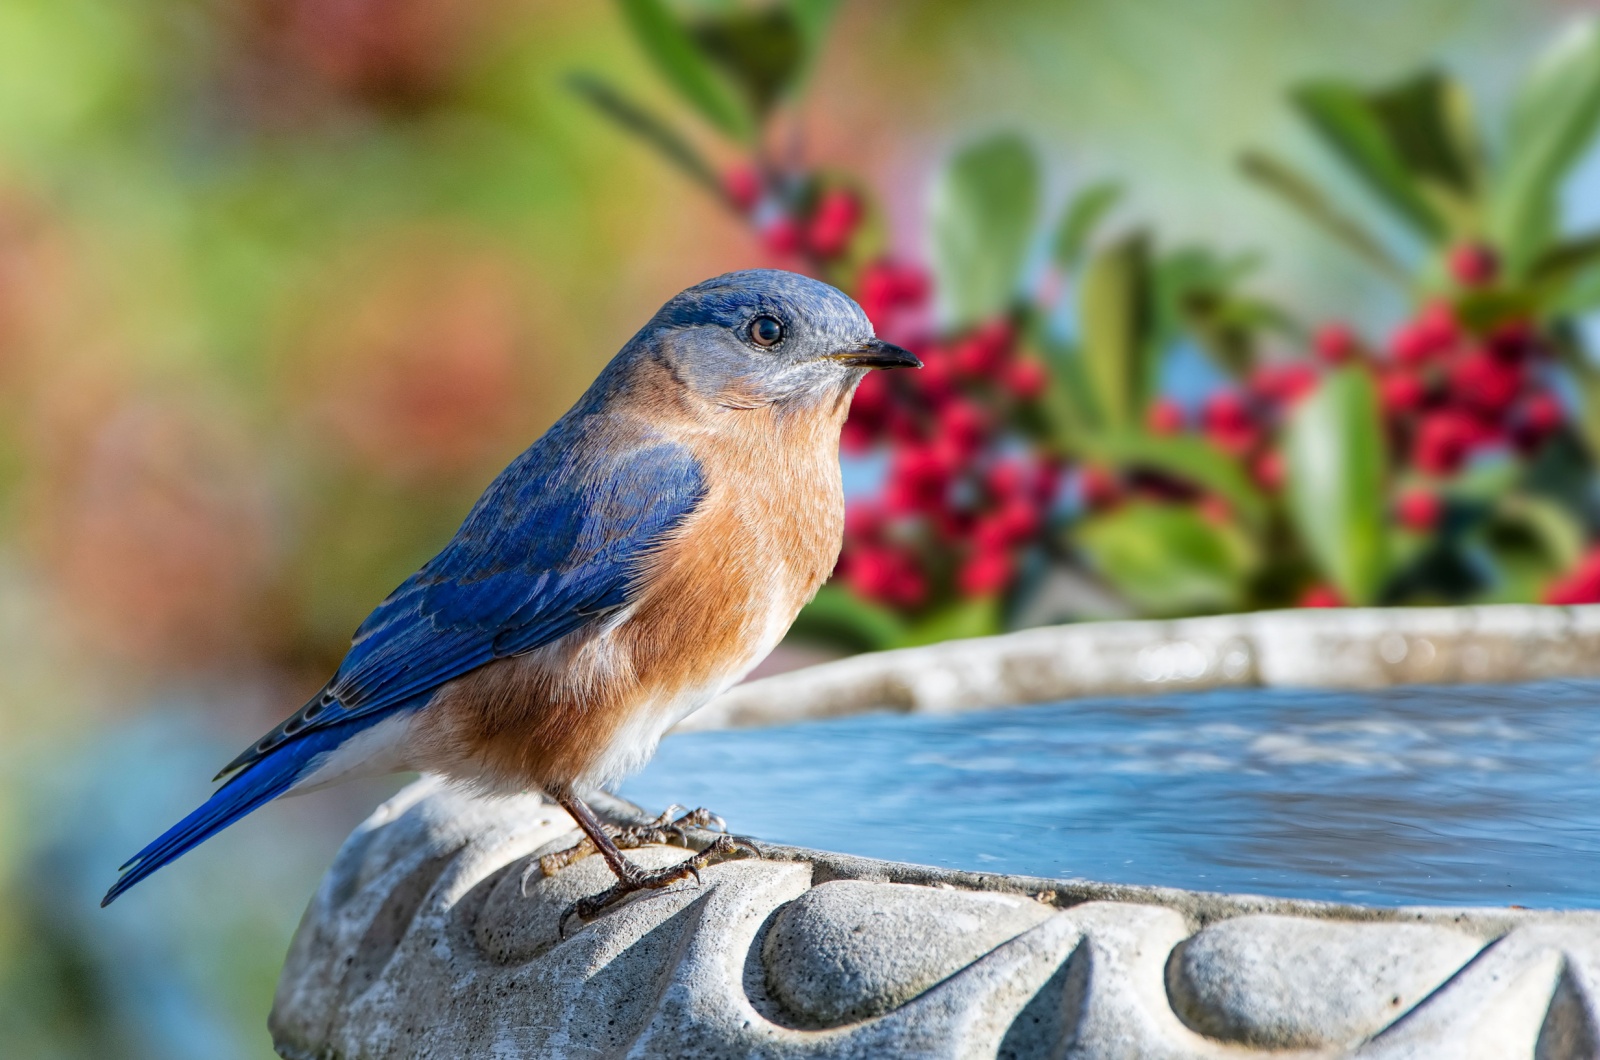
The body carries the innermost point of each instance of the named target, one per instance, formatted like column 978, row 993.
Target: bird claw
column 587, row 908
column 664, row 830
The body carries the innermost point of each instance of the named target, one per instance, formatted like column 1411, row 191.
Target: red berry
column 1021, row 519
column 1012, row 525
column 1335, row 343
column 1474, row 264
column 1438, row 325
column 1321, row 596
column 1047, row 481
column 1480, row 381
column 964, row 426
column 1006, row 479
column 919, row 477
column 983, row 352
column 1099, row 487
column 1442, row 441
column 1432, row 332
column 1401, row 393
column 782, row 235
column 937, row 379
column 1418, row 510
column 1540, row 417
column 1544, row 412
column 985, row 573
column 1513, row 341
column 1165, row 416
column 1215, row 510
column 1581, row 585
column 1286, row 381
column 1269, row 470
column 871, row 573
column 742, row 183
column 834, row 222
column 1027, row 379
column 1228, row 423
column 863, row 521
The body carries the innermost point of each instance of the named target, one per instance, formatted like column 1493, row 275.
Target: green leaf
column 680, row 60
column 762, row 50
column 981, row 219
column 1300, row 192
column 1070, row 405
column 1553, row 119
column 1168, row 559
column 838, row 616
column 1336, row 493
column 636, row 120
column 1566, row 261
column 979, row 617
column 1354, row 124
column 1083, row 214
column 1556, row 531
column 1429, row 121
column 813, row 17
column 1193, row 460
column 1117, row 321
column 1196, row 295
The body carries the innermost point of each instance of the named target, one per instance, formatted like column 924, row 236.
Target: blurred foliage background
column 283, row 283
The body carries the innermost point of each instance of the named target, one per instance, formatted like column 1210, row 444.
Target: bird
column 643, row 555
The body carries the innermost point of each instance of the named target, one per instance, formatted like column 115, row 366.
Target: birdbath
column 1338, row 833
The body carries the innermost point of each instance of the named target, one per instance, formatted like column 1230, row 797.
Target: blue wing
column 556, row 542
column 546, row 551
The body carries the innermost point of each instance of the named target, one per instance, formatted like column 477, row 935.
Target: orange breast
column 716, row 599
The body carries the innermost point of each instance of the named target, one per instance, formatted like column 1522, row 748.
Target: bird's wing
column 554, row 544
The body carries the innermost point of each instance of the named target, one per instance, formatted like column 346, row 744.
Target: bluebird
column 635, row 561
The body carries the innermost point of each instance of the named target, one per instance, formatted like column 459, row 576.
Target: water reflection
column 1456, row 795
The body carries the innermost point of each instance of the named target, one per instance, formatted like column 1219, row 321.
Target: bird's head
column 764, row 337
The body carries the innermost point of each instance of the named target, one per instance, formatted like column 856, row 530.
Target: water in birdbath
column 1439, row 795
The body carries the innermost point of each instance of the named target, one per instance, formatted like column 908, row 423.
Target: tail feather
column 256, row 786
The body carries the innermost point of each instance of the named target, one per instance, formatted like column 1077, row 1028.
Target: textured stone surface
column 425, row 940
column 847, row 950
column 421, row 943
column 1331, row 648
column 1288, row 981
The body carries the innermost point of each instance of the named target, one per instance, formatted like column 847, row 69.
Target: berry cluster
column 966, row 496
column 815, row 223
column 972, row 481
column 1449, row 393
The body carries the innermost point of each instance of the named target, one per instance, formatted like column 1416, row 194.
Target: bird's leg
column 665, row 830
column 631, row 877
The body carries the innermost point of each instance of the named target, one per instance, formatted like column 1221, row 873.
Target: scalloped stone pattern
column 424, row 940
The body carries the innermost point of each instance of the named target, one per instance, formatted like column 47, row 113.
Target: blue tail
column 257, row 785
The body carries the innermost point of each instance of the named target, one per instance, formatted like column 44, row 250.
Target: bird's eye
column 766, row 331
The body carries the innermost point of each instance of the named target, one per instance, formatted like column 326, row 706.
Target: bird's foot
column 665, row 830
column 641, row 880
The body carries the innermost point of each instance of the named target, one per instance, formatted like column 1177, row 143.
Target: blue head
column 765, row 336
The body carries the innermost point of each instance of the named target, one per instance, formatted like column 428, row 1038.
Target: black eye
column 766, row 331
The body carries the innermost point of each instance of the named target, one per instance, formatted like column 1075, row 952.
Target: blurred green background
column 283, row 283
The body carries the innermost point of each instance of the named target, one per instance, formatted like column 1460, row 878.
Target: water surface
column 1481, row 795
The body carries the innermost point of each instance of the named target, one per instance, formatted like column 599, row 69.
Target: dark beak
column 875, row 353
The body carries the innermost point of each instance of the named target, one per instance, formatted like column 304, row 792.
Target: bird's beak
column 875, row 353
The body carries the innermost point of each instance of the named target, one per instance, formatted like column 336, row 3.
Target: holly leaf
column 1553, row 120
column 1168, row 559
column 1082, row 216
column 982, row 216
column 1336, row 496
column 680, row 59
column 1117, row 318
